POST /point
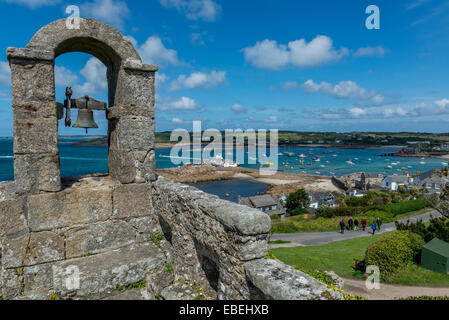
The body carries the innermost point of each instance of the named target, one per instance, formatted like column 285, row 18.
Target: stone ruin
column 128, row 234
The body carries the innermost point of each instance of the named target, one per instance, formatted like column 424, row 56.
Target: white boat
column 334, row 155
column 370, row 159
column 302, row 156
column 422, row 162
column 444, row 164
column 323, row 166
column 350, row 162
column 389, row 167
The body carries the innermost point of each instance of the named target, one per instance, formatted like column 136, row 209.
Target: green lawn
column 339, row 257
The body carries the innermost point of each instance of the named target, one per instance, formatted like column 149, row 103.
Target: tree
column 440, row 202
column 298, row 200
column 402, row 189
column 414, row 192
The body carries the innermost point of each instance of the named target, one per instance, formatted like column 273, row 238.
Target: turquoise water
column 232, row 189
column 79, row 160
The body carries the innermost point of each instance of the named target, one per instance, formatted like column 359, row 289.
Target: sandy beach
column 280, row 183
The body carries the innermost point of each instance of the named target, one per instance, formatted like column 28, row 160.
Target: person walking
column 364, row 224
column 379, row 223
column 356, row 224
column 342, row 226
column 374, row 227
column 350, row 223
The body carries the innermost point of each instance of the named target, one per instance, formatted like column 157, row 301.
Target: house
column 434, row 184
column 267, row 203
column 318, row 200
column 393, row 182
column 355, row 193
column 435, row 256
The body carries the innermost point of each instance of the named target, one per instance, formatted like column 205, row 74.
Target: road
column 317, row 238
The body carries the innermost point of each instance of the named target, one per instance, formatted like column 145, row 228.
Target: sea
column 81, row 160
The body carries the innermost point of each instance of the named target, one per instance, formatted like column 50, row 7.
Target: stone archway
column 130, row 113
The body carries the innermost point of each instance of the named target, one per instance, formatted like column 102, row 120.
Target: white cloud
column 272, row 119
column 238, row 108
column 113, row 12
column 95, row 74
column 416, row 4
column 176, row 120
column 357, row 112
column 64, row 77
column 443, row 103
column 289, row 85
column 161, row 77
column 344, row 90
column 33, row 4
column 199, row 80
column 207, row 10
column 153, row 51
column 182, row 104
column 5, row 73
column 371, row 51
column 268, row 54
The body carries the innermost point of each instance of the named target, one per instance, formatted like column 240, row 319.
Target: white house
column 393, row 182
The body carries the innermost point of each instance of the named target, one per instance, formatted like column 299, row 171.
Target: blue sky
column 288, row 65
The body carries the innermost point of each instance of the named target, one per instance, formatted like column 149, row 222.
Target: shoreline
column 278, row 183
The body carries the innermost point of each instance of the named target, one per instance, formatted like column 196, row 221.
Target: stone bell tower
column 36, row 113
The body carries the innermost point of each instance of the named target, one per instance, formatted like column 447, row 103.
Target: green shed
column 435, row 256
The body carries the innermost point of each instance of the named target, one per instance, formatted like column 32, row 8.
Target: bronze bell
column 85, row 120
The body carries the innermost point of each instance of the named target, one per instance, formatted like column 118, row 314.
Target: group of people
column 354, row 225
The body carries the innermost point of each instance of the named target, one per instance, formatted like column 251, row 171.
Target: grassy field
column 339, row 257
column 299, row 224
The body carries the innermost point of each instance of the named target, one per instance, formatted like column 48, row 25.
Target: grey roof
column 426, row 175
column 398, row 178
column 323, row 197
column 265, row 200
column 436, row 179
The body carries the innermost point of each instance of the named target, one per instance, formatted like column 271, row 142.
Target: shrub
column 407, row 206
column 275, row 217
column 394, row 251
column 283, row 227
column 298, row 200
column 437, row 228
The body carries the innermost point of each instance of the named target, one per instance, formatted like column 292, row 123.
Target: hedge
column 406, row 206
column 394, row 251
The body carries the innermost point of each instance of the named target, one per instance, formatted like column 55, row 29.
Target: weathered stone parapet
column 274, row 280
column 28, row 110
column 71, row 207
column 34, row 173
column 100, row 274
column 135, row 87
column 32, row 80
column 12, row 217
column 95, row 224
column 210, row 242
column 36, row 136
column 29, row 54
column 132, row 166
column 118, row 112
column 134, row 133
column 136, row 65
